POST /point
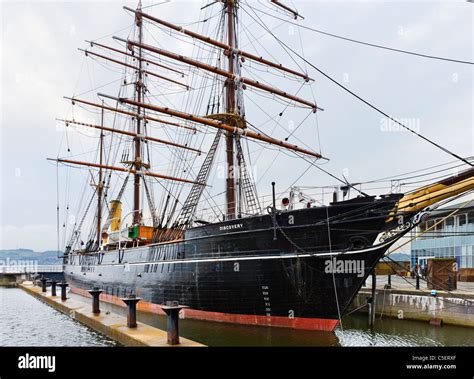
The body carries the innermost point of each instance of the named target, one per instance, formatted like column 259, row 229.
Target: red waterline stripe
column 327, row 325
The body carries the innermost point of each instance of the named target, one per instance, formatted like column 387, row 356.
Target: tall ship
column 149, row 221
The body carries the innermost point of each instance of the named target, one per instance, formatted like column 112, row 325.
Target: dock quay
column 400, row 299
column 111, row 325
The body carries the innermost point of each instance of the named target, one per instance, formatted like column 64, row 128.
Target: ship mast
column 139, row 94
column 230, row 107
column 231, row 122
column 99, row 183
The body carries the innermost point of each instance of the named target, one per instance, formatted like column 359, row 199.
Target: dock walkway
column 408, row 284
column 112, row 325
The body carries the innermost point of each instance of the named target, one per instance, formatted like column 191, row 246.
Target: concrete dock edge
column 111, row 325
column 413, row 305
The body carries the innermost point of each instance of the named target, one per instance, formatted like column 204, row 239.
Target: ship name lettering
column 232, row 226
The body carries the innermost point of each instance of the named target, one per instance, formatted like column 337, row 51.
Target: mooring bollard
column 53, row 287
column 172, row 309
column 131, row 302
column 95, row 293
column 43, row 284
column 63, row 286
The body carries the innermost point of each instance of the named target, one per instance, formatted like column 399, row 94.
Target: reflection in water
column 26, row 321
column 354, row 332
column 221, row 334
column 394, row 332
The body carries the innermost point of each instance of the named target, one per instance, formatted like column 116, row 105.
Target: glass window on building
column 449, row 221
column 462, row 219
column 457, row 251
column 470, row 217
column 470, row 257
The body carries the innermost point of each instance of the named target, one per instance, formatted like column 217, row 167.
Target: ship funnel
column 115, row 215
column 433, row 193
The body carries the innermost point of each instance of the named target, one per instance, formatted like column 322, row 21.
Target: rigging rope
column 333, row 272
column 319, row 167
column 57, row 206
column 365, row 43
column 357, row 96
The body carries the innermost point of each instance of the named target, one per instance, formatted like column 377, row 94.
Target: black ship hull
column 298, row 269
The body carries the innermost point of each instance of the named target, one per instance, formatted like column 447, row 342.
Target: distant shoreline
column 41, row 257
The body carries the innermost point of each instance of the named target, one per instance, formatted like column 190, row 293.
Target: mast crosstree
column 228, row 122
column 231, row 109
column 139, row 89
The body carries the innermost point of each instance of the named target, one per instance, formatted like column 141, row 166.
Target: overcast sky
column 40, row 64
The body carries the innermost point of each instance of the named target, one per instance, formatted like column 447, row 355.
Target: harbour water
column 25, row 321
column 354, row 332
